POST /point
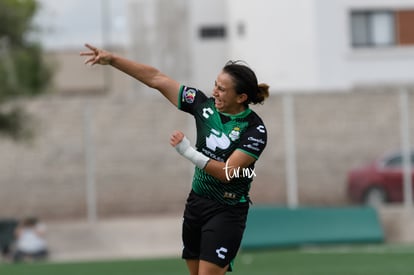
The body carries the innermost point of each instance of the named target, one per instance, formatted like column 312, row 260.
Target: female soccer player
column 230, row 138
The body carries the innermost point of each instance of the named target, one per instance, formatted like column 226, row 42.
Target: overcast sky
column 71, row 23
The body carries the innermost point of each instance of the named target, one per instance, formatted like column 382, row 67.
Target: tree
column 23, row 71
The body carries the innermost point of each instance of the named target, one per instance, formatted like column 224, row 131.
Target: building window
column 212, row 32
column 372, row 28
column 241, row 29
column 381, row 28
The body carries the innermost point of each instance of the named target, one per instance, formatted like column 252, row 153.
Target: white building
column 310, row 45
column 300, row 45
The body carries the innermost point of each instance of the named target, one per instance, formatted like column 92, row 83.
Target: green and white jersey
column 218, row 136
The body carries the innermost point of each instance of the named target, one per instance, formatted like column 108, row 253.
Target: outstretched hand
column 97, row 56
column 176, row 138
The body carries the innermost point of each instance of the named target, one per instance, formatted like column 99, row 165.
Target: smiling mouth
column 218, row 102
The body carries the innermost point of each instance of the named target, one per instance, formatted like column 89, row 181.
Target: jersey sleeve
column 189, row 98
column 254, row 140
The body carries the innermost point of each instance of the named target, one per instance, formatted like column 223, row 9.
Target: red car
column 378, row 182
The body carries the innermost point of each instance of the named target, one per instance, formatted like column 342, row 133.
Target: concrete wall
column 160, row 36
column 137, row 172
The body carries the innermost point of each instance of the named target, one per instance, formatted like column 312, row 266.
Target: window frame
column 368, row 16
column 209, row 32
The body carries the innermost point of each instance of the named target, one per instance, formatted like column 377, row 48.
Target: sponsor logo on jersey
column 235, row 134
column 261, row 129
column 252, row 147
column 189, row 95
column 256, row 140
column 217, row 139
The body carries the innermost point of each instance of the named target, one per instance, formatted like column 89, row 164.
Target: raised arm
column 146, row 74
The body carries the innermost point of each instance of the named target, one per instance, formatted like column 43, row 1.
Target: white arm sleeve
column 184, row 148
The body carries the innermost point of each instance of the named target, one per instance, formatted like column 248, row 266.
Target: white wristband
column 184, row 148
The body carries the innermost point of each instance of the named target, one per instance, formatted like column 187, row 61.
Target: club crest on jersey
column 189, row 95
column 234, row 134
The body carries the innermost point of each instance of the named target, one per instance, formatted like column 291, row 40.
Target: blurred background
column 85, row 143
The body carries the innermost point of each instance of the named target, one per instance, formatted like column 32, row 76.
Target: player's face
column 226, row 98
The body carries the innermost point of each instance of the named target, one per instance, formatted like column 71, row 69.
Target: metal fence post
column 406, row 148
column 89, row 150
column 290, row 145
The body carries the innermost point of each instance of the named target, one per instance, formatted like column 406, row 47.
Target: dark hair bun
column 262, row 94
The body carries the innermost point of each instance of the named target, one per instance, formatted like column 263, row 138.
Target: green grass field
column 353, row 260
